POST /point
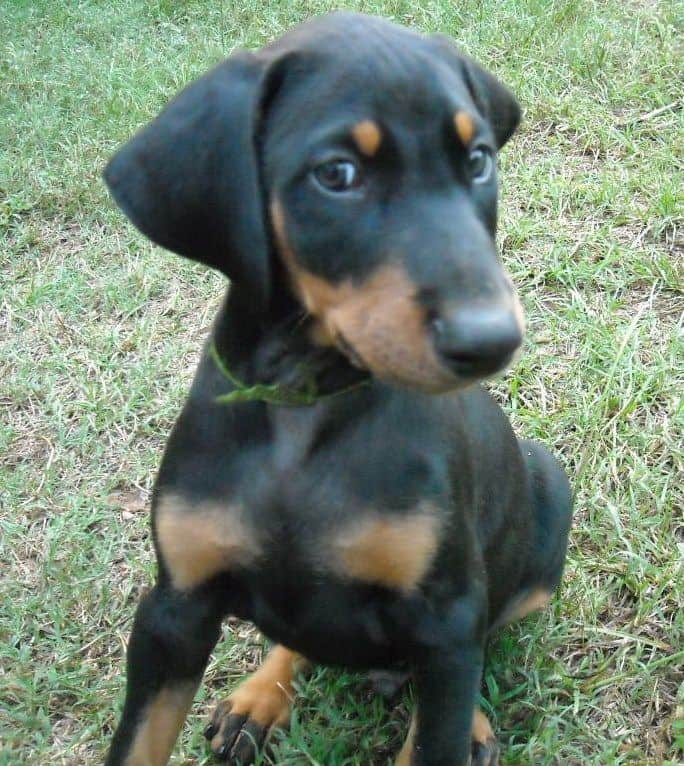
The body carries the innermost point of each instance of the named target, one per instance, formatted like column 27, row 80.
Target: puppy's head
column 360, row 157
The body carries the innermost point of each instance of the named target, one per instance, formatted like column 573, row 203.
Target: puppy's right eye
column 338, row 175
column 480, row 164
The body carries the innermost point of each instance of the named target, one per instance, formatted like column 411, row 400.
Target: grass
column 100, row 333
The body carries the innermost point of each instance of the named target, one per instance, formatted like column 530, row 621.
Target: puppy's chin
column 443, row 382
column 347, row 350
column 423, row 385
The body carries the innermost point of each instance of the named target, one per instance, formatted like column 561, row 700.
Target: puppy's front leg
column 447, row 679
column 173, row 635
column 483, row 744
column 447, row 686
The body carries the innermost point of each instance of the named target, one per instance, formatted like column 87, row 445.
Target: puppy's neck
column 279, row 348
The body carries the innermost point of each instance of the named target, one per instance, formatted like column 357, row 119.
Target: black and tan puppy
column 359, row 497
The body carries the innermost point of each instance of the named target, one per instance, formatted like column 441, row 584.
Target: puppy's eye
column 480, row 164
column 338, row 175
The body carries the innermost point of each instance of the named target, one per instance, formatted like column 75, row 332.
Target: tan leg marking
column 266, row 696
column 484, row 747
column 158, row 731
column 199, row 541
column 481, row 733
column 531, row 602
column 367, row 136
column 395, row 552
column 405, row 757
column 465, row 127
column 482, row 729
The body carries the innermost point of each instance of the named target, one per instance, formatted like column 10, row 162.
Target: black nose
column 475, row 341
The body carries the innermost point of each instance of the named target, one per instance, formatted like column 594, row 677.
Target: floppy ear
column 190, row 179
column 492, row 98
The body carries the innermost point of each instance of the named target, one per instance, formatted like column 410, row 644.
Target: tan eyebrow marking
column 368, row 137
column 465, row 127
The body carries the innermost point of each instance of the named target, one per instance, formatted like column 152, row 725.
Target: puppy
column 337, row 475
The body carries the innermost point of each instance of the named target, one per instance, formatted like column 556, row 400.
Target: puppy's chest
column 287, row 535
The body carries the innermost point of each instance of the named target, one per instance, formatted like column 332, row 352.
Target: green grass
column 100, row 333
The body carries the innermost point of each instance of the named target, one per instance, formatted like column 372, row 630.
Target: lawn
column 100, row 332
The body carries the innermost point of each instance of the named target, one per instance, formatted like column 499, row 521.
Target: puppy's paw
column 242, row 723
column 484, row 749
column 486, row 754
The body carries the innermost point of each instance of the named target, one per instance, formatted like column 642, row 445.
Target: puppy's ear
column 492, row 98
column 190, row 179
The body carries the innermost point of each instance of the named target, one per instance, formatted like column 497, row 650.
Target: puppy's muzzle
column 476, row 341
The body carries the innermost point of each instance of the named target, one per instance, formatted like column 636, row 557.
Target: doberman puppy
column 337, row 475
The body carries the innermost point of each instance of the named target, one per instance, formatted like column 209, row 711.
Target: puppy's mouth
column 350, row 352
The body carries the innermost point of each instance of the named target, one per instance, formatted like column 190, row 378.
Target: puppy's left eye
column 480, row 164
column 338, row 175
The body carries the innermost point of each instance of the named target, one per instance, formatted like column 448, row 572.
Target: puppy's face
column 363, row 154
column 380, row 176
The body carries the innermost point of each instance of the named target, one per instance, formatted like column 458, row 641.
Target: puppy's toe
column 484, row 749
column 241, row 724
column 485, row 753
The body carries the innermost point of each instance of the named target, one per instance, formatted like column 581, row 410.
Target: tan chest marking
column 197, row 541
column 392, row 552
